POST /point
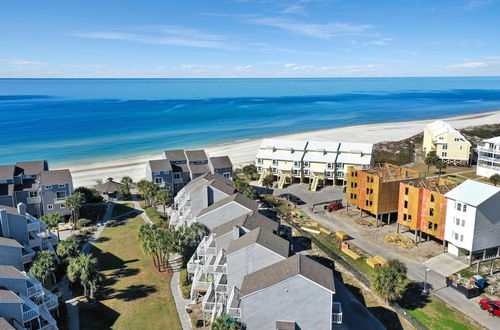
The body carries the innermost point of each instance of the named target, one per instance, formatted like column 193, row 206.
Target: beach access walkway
column 416, row 271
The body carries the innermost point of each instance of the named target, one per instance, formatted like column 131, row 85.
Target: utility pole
column 427, row 270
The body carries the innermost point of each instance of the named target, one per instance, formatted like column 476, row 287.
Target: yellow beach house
column 448, row 143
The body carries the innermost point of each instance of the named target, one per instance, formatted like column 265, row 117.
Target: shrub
column 155, row 216
column 82, row 223
column 90, row 195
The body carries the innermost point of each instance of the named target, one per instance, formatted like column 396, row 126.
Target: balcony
column 201, row 281
column 486, row 149
column 33, row 224
column 34, row 240
column 220, row 283
column 233, row 304
column 49, row 299
column 28, row 254
column 337, row 313
column 33, row 200
column 30, row 309
column 47, row 322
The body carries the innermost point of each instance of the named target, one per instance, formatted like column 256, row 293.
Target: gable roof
column 262, row 237
column 249, row 222
column 9, row 209
column 221, row 162
column 199, row 168
column 175, row 155
column 9, row 296
column 237, row 197
column 298, row 264
column 34, row 167
column 7, row 172
column 439, row 127
column 160, row 165
column 473, row 192
column 222, row 186
column 196, row 155
column 55, row 177
column 4, row 325
column 10, row 271
column 9, row 241
column 495, row 140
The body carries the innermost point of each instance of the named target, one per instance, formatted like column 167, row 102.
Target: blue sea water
column 71, row 121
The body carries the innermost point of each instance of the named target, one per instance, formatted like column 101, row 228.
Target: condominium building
column 43, row 191
column 178, row 167
column 313, row 162
column 448, row 143
column 422, row 206
column 30, row 233
column 488, row 157
column 376, row 190
column 24, row 302
column 473, row 221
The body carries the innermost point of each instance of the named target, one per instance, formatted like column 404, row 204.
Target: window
column 177, row 176
column 457, row 139
column 445, row 146
column 435, row 226
column 33, row 194
column 444, row 154
column 432, row 198
column 464, row 208
column 275, row 162
column 354, row 184
column 457, row 221
column 275, row 170
column 431, row 212
column 430, row 225
column 407, row 190
column 409, row 217
column 406, row 204
column 295, row 172
column 227, row 175
column 456, row 236
column 259, row 169
column 459, row 207
column 463, row 223
column 306, row 164
column 63, row 206
column 296, row 164
column 329, row 174
column 259, row 160
column 60, row 195
column 48, row 187
column 50, row 207
column 340, row 174
column 158, row 180
column 340, row 165
column 329, row 165
column 62, row 186
column 405, row 216
column 461, row 238
column 306, row 172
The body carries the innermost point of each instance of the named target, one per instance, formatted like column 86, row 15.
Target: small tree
column 250, row 171
column 163, row 197
column 224, row 322
column 495, row 179
column 389, row 283
column 85, row 269
column 52, row 221
column 124, row 190
column 268, row 182
column 44, row 266
column 74, row 202
column 250, row 192
column 127, row 181
column 398, row 265
column 90, row 195
column 240, row 185
column 440, row 166
column 70, row 248
column 431, row 159
column 148, row 190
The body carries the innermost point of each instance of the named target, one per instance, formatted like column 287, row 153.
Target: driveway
column 446, row 264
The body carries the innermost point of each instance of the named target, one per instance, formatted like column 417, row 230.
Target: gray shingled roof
column 7, row 172
column 249, row 222
column 9, row 241
column 221, row 162
column 223, row 186
column 9, row 209
column 4, row 325
column 262, row 237
column 196, row 155
column 55, row 177
column 238, row 198
column 34, row 167
column 9, row 296
column 298, row 264
column 200, row 168
column 180, row 168
column 160, row 165
column 109, row 187
column 175, row 155
column 28, row 184
column 10, row 271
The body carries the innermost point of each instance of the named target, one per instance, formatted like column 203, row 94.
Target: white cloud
column 294, row 9
column 478, row 4
column 488, row 62
column 379, row 42
column 315, row 30
column 22, row 62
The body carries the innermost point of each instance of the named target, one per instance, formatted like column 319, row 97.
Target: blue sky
column 253, row 38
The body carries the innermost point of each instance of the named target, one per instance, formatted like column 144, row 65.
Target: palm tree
column 127, row 181
column 189, row 237
column 147, row 190
column 389, row 283
column 224, row 322
column 440, row 166
column 250, row 192
column 495, row 179
column 44, row 266
column 240, row 185
column 74, row 202
column 52, row 221
column 124, row 190
column 249, row 171
column 398, row 265
column 85, row 269
column 431, row 159
column 268, row 182
column 163, row 197
column 70, row 248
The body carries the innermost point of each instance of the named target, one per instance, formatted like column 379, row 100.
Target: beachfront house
column 448, row 143
column 313, row 162
column 25, row 302
column 422, row 206
column 488, row 157
column 178, row 167
column 31, row 233
column 295, row 293
column 375, row 190
column 43, row 191
column 198, row 194
column 473, row 222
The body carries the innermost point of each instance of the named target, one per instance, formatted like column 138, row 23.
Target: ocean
column 71, row 121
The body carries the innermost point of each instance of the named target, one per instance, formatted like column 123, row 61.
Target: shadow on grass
column 388, row 318
column 102, row 239
column 412, row 297
column 96, row 315
column 133, row 292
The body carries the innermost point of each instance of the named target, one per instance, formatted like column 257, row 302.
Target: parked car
column 493, row 307
column 292, row 198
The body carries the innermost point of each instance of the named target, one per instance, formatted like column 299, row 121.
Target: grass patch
column 159, row 219
column 122, row 208
column 135, row 295
column 185, row 284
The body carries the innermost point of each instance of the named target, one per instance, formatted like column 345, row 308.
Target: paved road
column 416, row 272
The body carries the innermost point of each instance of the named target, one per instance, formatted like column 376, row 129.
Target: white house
column 488, row 157
column 473, row 221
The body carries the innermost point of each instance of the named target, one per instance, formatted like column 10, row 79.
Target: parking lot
column 309, row 197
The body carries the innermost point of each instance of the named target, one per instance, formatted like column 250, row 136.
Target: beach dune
column 242, row 152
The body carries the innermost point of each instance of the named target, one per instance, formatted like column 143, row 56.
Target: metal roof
column 473, row 192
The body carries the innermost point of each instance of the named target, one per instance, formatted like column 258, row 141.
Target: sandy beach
column 244, row 151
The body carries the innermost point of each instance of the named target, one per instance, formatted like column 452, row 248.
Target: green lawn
column 122, row 208
column 135, row 295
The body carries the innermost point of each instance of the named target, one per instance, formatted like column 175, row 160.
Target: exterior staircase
column 315, row 182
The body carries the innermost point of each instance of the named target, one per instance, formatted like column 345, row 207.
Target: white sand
column 245, row 151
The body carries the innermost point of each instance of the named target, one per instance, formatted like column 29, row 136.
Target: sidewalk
column 416, row 271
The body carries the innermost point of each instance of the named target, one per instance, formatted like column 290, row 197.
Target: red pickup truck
column 491, row 306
